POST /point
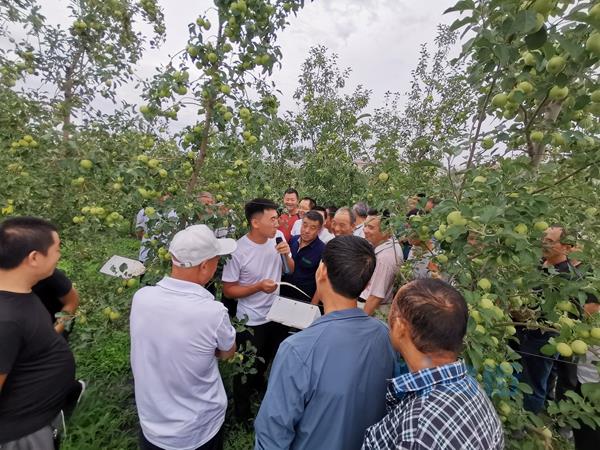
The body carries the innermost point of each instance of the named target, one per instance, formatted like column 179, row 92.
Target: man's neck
column 335, row 302
column 419, row 361
column 293, row 212
column 556, row 261
column 14, row 281
column 382, row 241
column 304, row 243
column 256, row 237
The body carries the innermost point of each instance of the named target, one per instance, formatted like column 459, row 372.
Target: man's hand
column 268, row 286
column 283, row 248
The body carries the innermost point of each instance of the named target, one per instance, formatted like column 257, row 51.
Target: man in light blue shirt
column 328, row 382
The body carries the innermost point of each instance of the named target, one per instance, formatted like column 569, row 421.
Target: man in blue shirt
column 328, row 382
column 306, row 249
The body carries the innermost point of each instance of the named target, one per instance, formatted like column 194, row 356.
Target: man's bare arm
column 2, row 380
column 372, row 304
column 71, row 303
column 235, row 290
column 221, row 354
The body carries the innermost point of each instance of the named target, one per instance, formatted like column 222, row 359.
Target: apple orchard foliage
column 541, row 109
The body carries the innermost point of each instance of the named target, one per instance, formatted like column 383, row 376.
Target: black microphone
column 286, row 268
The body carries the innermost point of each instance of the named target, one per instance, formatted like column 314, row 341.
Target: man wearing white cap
column 178, row 331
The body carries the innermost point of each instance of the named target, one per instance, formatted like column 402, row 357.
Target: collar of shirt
column 385, row 245
column 187, row 287
column 350, row 313
column 424, row 380
column 358, row 227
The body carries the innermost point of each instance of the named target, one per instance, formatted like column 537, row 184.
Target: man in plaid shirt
column 437, row 405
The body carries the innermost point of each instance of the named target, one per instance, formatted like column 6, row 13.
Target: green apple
column 564, row 349
column 506, row 367
column 529, row 58
column 487, row 143
column 484, row 284
column 144, row 109
column 537, row 136
column 441, row 258
column 228, row 116
column 132, row 282
column 579, row 347
column 594, row 12
column 558, row 93
column 593, row 44
column 480, row 329
column 142, row 158
column 149, row 211
column 86, row 164
column 106, row 311
column 153, row 163
column 520, row 229
column 479, row 179
column 540, row 225
column 78, row 181
column 596, row 94
column 212, row 57
column 511, row 330
column 454, row 217
column 438, row 235
column 163, row 173
column 383, row 177
column 591, row 211
column 543, row 6
column 504, row 408
column 485, row 302
column 499, row 100
column 595, row 333
column 558, row 139
column 525, row 86
column 476, row 316
column 556, row 64
column 489, row 362
column 225, row 89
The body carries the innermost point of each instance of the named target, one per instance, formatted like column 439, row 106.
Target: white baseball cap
column 196, row 244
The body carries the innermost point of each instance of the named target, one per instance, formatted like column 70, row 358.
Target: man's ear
column 33, row 258
column 321, row 274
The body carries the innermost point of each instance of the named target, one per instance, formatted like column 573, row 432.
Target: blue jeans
column 536, row 367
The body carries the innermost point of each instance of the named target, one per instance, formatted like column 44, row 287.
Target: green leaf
column 548, row 349
column 525, row 388
column 573, row 48
column 461, row 6
column 536, row 40
column 524, row 22
column 502, row 52
column 591, row 391
column 461, row 23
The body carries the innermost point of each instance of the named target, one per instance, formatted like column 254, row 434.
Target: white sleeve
column 232, row 269
column 141, row 219
column 225, row 334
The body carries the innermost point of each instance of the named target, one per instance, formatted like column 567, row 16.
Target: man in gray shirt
column 328, row 382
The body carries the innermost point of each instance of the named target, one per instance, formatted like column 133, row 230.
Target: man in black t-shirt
column 37, row 369
column 58, row 295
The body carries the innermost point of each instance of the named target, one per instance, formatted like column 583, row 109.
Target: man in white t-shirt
column 251, row 276
column 178, row 331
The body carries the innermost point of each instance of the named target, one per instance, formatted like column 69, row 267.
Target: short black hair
column 360, row 209
column 350, row 262
column 258, row 206
column 311, row 202
column 385, row 214
column 19, row 236
column 314, row 215
column 331, row 210
column 321, row 209
column 291, row 191
column 436, row 312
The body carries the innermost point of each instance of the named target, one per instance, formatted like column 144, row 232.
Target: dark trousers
column 537, row 368
column 216, row 443
column 266, row 339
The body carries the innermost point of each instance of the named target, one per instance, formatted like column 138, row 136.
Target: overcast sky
column 378, row 39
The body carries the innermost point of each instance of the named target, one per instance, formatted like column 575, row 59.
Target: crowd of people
column 348, row 381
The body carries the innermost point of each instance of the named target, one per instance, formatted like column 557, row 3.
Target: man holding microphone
column 251, row 276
